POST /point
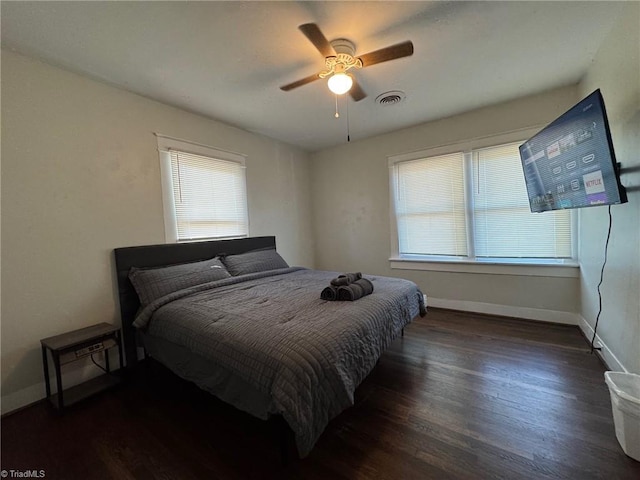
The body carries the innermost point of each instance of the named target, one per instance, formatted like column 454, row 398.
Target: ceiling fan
column 340, row 58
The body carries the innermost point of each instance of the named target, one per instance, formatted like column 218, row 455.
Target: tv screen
column 571, row 162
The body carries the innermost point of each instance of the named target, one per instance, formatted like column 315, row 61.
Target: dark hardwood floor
column 459, row 396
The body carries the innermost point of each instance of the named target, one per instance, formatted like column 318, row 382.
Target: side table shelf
column 75, row 345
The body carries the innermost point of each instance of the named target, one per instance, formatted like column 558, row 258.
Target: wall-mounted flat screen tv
column 571, row 163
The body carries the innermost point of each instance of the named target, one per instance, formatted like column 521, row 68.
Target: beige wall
column 351, row 212
column 616, row 71
column 81, row 176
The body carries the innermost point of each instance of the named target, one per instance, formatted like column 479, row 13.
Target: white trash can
column 625, row 403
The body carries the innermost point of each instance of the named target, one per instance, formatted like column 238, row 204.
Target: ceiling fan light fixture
column 340, row 83
column 339, row 56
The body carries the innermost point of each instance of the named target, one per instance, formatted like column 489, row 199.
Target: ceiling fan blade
column 399, row 50
column 315, row 36
column 356, row 91
column 299, row 83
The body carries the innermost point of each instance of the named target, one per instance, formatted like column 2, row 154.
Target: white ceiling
column 227, row 60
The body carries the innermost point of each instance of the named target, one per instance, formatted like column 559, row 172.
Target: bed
column 235, row 319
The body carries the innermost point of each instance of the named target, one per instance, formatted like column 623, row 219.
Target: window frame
column 568, row 267
column 168, row 144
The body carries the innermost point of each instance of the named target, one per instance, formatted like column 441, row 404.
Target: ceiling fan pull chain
column 337, row 115
column 348, row 134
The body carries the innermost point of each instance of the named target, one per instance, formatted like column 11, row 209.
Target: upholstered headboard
column 167, row 254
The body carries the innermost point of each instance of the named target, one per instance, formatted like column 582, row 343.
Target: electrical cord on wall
column 97, row 364
column 606, row 249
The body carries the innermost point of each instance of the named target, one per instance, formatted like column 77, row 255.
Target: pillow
column 153, row 283
column 252, row 262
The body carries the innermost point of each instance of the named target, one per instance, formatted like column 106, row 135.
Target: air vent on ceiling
column 391, row 98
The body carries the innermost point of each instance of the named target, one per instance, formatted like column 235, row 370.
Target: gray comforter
column 273, row 331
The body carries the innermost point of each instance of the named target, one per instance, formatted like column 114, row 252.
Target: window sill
column 568, row 269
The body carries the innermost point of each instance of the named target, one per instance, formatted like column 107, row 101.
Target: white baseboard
column 72, row 374
column 528, row 313
column 22, row 398
column 607, row 355
column 567, row 318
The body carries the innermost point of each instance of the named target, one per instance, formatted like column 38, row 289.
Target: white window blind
column 209, row 196
column 204, row 195
column 430, row 206
column 473, row 205
column 503, row 223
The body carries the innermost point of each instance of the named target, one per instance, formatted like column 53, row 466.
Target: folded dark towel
column 356, row 290
column 329, row 293
column 346, row 279
column 367, row 286
column 350, row 292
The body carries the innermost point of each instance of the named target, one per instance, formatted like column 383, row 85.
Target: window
column 204, row 192
column 473, row 206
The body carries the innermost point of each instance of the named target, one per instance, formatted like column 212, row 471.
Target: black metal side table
column 75, row 345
